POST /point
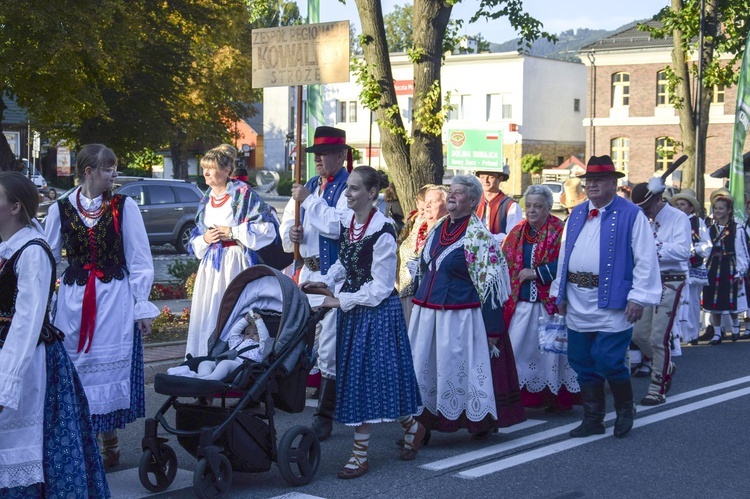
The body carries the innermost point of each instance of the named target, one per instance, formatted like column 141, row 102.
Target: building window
column 577, row 105
column 620, row 89
column 664, row 153
column 494, row 107
column 346, row 111
column 662, row 89
column 718, row 97
column 507, row 110
column 464, row 109
column 620, row 152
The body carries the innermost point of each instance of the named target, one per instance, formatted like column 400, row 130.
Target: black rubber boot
column 593, row 412
column 622, row 391
column 323, row 421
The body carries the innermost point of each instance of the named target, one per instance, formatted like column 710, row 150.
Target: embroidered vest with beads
column 100, row 246
column 9, row 291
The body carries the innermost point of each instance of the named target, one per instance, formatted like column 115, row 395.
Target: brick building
column 629, row 115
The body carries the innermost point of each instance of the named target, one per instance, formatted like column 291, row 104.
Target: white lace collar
column 17, row 240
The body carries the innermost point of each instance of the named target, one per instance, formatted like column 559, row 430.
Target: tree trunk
column 7, row 159
column 430, row 22
column 686, row 112
column 707, row 53
column 394, row 147
column 177, row 151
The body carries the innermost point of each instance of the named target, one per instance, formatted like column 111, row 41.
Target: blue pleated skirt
column 374, row 370
column 71, row 461
column 121, row 417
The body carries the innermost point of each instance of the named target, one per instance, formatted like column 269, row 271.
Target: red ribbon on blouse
column 88, row 311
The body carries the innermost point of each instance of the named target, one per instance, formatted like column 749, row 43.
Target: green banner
column 475, row 150
column 315, row 116
column 741, row 125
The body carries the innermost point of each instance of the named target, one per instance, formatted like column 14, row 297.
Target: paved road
column 694, row 446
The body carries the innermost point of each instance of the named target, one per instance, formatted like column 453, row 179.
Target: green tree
column 399, row 30
column 724, row 33
column 416, row 159
column 532, row 163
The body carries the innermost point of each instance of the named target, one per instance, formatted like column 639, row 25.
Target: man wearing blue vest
column 609, row 273
column 322, row 204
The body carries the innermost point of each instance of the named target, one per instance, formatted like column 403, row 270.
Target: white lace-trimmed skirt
column 537, row 370
column 452, row 363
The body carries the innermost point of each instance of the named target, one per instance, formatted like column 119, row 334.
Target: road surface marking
column 296, row 495
column 491, row 450
column 126, row 485
column 529, row 423
column 556, row 447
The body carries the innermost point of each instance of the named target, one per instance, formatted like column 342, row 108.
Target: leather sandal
column 349, row 473
column 409, row 450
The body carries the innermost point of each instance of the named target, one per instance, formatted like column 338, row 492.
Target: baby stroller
column 241, row 436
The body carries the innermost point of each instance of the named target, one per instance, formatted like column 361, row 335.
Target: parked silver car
column 557, row 189
column 168, row 208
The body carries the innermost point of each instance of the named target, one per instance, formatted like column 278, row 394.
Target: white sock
column 359, row 451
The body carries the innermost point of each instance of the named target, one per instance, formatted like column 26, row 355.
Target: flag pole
column 298, row 165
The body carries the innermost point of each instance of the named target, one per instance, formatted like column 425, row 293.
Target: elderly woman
column 727, row 264
column 433, row 209
column 532, row 248
column 457, row 321
column 102, row 302
column 232, row 224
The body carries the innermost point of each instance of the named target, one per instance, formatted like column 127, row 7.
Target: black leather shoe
column 716, row 340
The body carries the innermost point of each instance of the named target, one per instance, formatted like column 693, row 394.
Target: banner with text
column 475, row 150
column 306, row 54
column 741, row 125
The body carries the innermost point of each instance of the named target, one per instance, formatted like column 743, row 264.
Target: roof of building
column 631, row 38
column 13, row 115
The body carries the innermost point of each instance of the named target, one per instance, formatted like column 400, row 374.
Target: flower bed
column 167, row 292
column 169, row 327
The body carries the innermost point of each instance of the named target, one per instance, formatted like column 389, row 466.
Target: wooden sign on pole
column 306, row 54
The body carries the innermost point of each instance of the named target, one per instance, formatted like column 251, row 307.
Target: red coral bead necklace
column 357, row 234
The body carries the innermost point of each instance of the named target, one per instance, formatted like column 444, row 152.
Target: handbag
column 553, row 334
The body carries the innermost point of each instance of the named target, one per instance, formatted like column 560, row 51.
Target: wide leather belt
column 584, row 279
column 313, row 263
column 667, row 277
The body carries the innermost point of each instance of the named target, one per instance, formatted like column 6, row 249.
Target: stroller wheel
column 298, row 455
column 157, row 472
column 210, row 484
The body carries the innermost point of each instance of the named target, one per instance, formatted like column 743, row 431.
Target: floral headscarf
column 546, row 250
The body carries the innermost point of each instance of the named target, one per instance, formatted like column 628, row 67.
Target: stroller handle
column 317, row 291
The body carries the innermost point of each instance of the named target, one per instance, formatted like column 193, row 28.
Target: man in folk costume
column 671, row 232
column 498, row 211
column 322, row 202
column 690, row 325
column 608, row 274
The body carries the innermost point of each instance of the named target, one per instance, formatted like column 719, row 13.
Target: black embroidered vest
column 695, row 260
column 9, row 291
column 356, row 257
column 97, row 248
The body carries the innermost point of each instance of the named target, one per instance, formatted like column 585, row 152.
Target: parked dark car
column 168, row 208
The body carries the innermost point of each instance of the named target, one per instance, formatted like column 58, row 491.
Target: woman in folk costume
column 102, row 302
column 727, row 265
column 462, row 353
column 432, row 210
column 690, row 312
column 232, row 224
column 531, row 249
column 375, row 379
column 47, row 445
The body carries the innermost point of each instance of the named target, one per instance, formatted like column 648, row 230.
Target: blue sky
column 556, row 15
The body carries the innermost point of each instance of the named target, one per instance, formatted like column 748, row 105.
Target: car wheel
column 183, row 238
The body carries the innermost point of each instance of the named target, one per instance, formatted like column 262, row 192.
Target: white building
column 537, row 104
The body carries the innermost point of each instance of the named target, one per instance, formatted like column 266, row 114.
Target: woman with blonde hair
column 231, row 225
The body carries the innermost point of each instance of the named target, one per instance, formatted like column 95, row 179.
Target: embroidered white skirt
column 452, row 363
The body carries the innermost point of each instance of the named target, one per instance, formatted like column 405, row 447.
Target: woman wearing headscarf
column 457, row 323
column 531, row 249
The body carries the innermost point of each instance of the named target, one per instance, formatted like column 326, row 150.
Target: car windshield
column 554, row 187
